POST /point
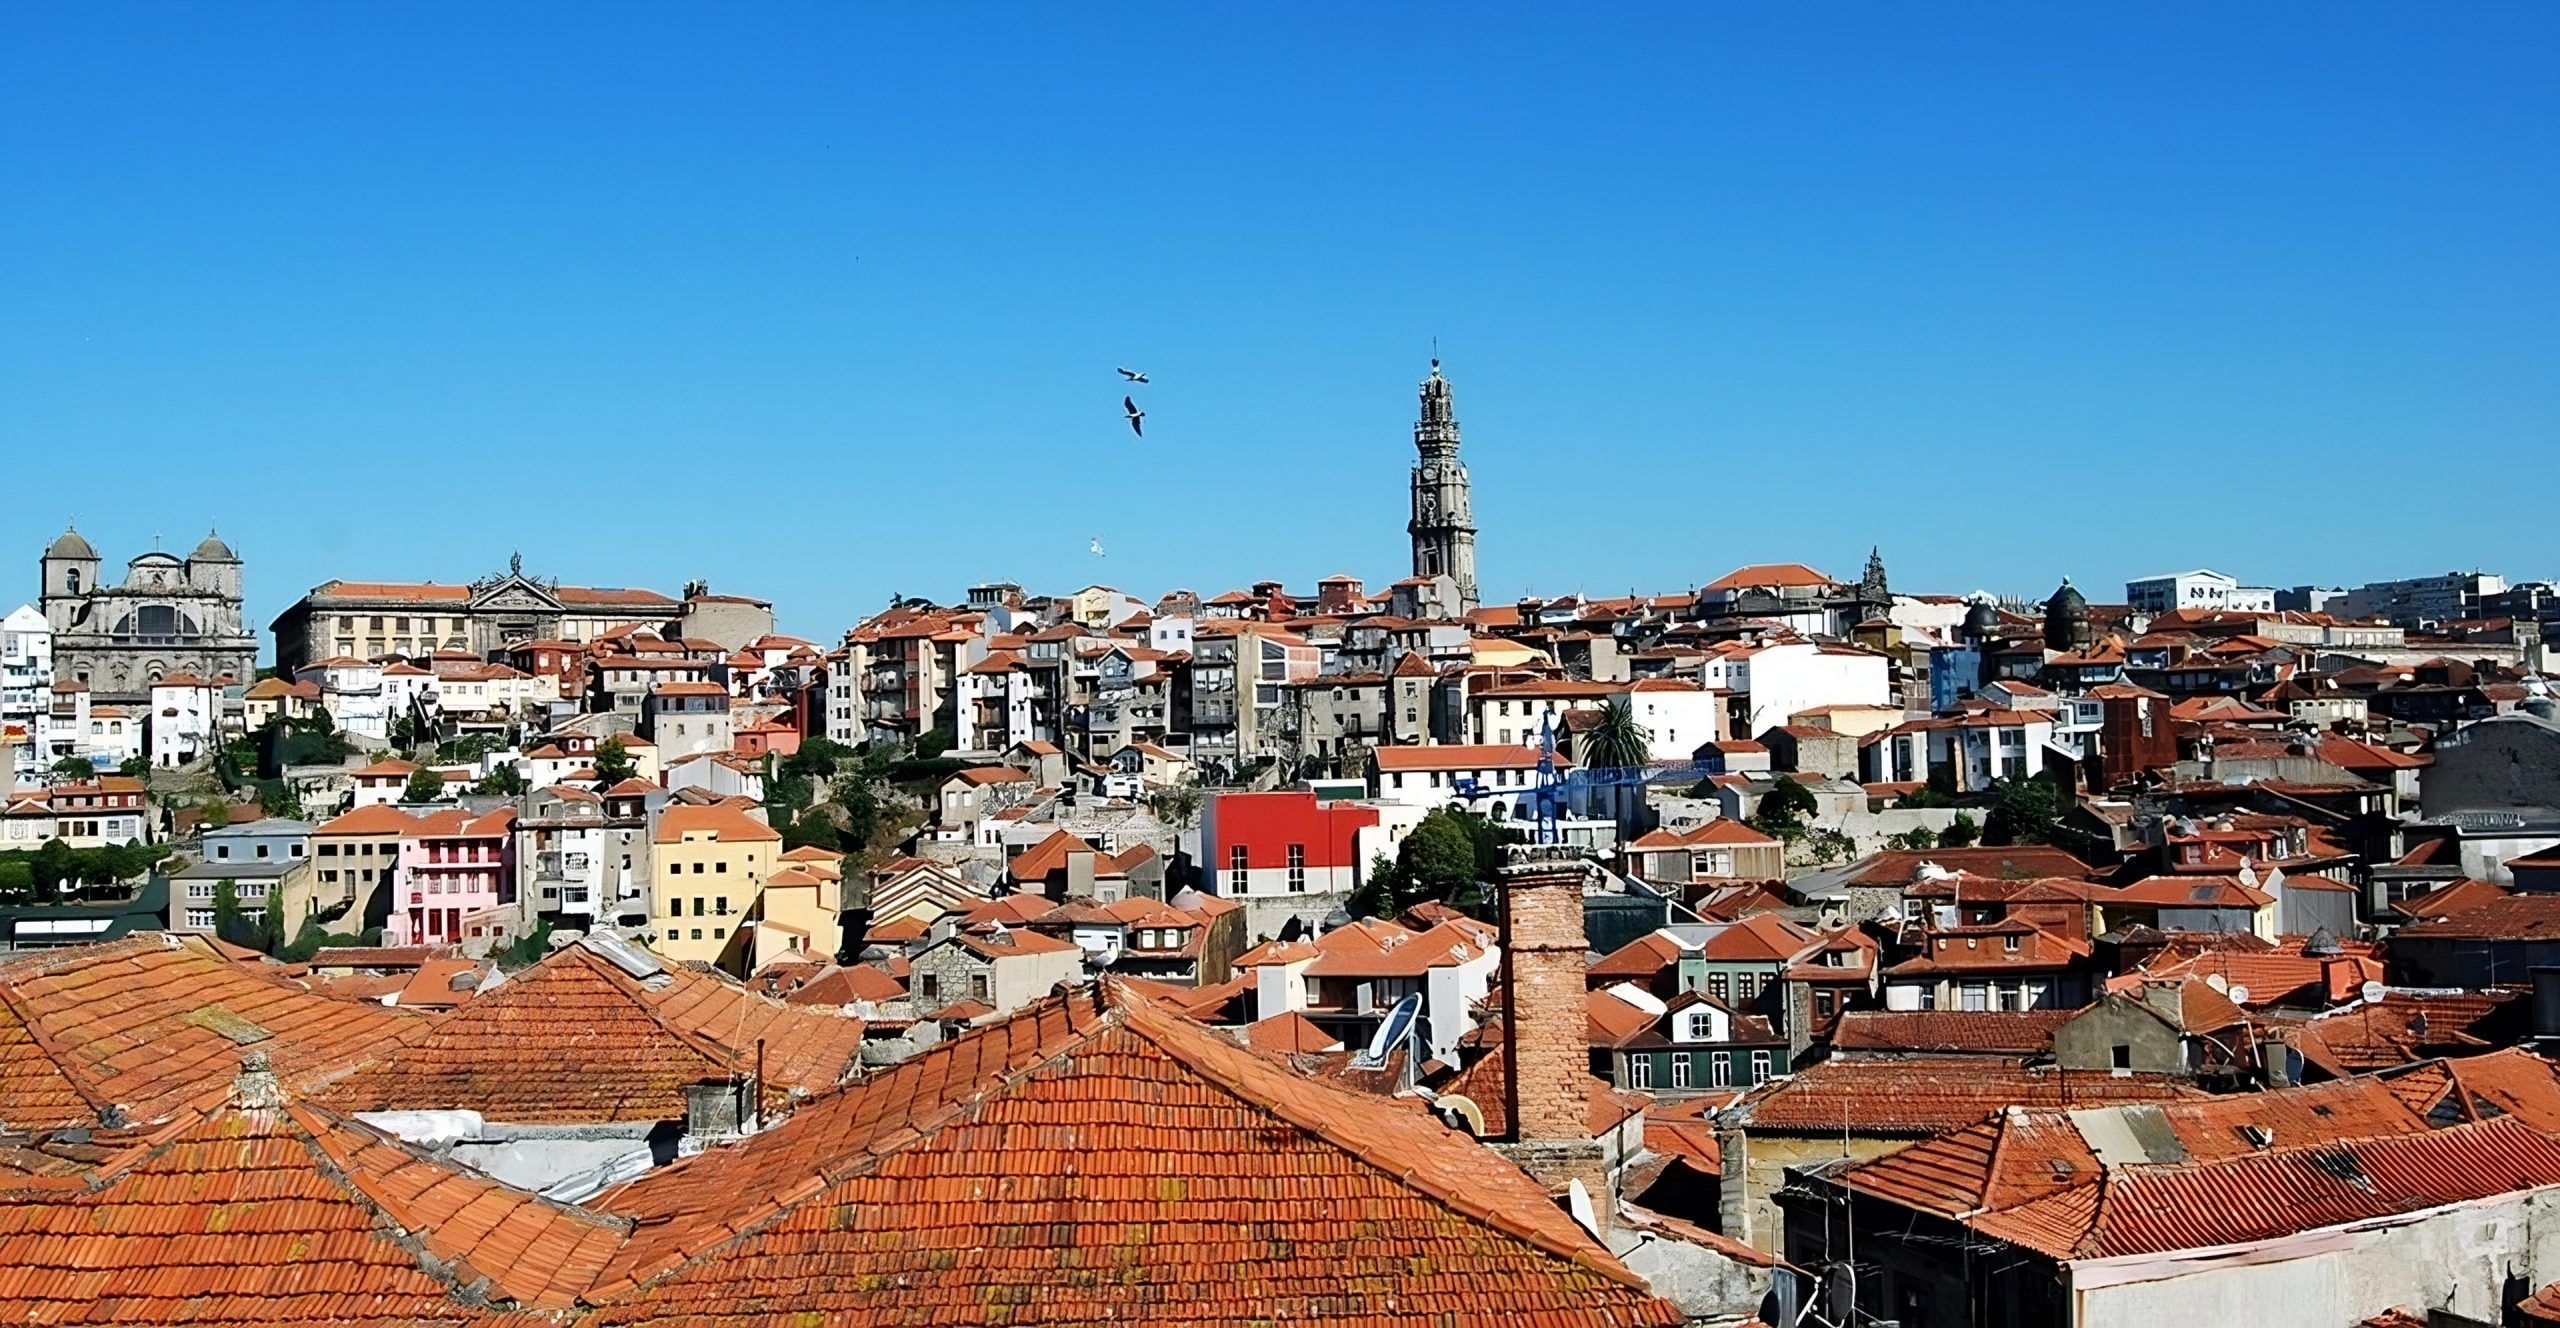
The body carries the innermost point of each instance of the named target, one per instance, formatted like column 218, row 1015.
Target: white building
column 26, row 686
column 1503, row 776
column 184, row 720
column 351, row 691
column 1783, row 678
column 2200, row 589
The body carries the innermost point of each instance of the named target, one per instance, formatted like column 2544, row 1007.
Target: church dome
column 1981, row 621
column 70, row 546
column 2067, row 599
column 213, row 550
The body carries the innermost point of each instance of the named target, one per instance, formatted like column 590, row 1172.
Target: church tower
column 1443, row 524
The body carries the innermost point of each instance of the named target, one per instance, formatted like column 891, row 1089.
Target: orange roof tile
column 154, row 1022
column 1101, row 1122
column 730, row 824
column 578, row 1039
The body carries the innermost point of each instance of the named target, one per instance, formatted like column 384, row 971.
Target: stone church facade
column 170, row 615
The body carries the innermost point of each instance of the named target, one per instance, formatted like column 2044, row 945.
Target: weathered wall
column 2456, row 1260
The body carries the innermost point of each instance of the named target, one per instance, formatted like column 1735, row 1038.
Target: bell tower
column 1443, row 525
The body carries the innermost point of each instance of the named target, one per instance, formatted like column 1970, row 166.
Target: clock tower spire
column 1443, row 525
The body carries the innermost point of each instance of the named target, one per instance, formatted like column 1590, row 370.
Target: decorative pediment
column 513, row 593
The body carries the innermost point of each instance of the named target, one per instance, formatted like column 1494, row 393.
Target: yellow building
column 709, row 866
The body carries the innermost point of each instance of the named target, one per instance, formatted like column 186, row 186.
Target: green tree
column 1438, row 859
column 613, row 762
column 1918, row 837
column 505, row 781
column 858, row 811
column 934, row 742
column 2026, row 809
column 817, row 758
column 1960, row 833
column 55, row 866
column 227, row 922
column 1377, row 896
column 213, row 814
column 138, row 767
column 75, row 767
column 1178, row 806
column 424, row 786
column 529, row 948
column 1617, row 739
column 17, row 879
column 404, row 733
column 1788, row 800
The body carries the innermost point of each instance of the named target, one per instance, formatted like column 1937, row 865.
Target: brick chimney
column 1545, row 1036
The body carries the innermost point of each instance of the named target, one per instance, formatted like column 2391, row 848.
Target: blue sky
column 823, row 303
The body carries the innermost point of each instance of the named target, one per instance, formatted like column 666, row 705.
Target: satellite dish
column 2218, row 983
column 2238, row 995
column 1393, row 1031
column 2372, row 992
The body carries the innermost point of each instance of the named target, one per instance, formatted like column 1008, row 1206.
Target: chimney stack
column 1546, row 1038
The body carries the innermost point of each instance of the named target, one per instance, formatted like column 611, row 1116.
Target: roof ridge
column 778, row 1202
column 1594, row 1258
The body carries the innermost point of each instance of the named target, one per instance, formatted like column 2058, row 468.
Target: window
column 1759, row 1067
column 1640, row 1072
column 697, row 908
column 1720, row 986
column 978, row 987
column 1975, row 996
column 2122, row 1058
column 1679, row 1071
column 1297, row 869
column 1720, row 1070
column 1702, row 1026
column 1235, row 861
column 1825, row 1004
column 721, row 867
column 2009, row 943
column 697, row 934
column 932, row 990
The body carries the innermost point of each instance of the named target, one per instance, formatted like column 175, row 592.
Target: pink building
column 457, row 871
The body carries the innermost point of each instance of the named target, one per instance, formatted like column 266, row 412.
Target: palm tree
column 1617, row 740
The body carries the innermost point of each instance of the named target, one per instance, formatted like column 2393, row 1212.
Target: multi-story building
column 370, row 618
column 707, row 866
column 170, row 615
column 582, row 856
column 355, row 859
column 184, row 720
column 106, row 736
column 2199, row 589
column 1287, row 854
column 26, row 680
column 457, row 880
column 2423, row 601
column 111, row 809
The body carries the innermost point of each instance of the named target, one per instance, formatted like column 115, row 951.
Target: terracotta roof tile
column 577, row 1039
column 153, row 1022
column 1234, row 1190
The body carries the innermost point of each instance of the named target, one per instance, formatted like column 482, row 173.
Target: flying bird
column 1097, row 548
column 1137, row 417
column 1133, row 375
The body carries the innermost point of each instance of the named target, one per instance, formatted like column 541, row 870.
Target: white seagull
column 1137, row 417
column 1097, row 548
column 1133, row 375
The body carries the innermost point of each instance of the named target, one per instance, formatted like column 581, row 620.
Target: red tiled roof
column 1459, row 756
column 729, row 823
column 153, row 1022
column 1289, row 1033
column 1768, row 574
column 1235, row 1191
column 2017, row 861
column 2515, row 918
column 577, row 1039
column 1722, row 830
column 2149, row 1210
column 1897, row 1097
column 265, row 1214
column 1984, row 1032
column 2446, row 900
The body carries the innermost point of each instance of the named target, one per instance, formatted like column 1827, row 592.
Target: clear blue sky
column 823, row 303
